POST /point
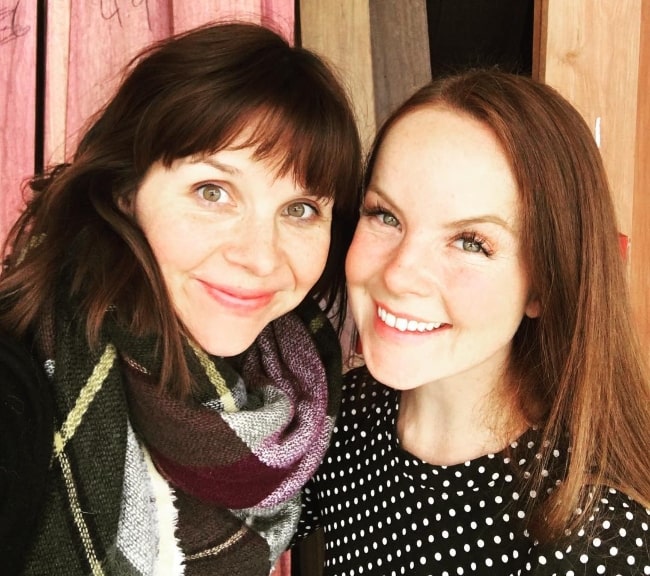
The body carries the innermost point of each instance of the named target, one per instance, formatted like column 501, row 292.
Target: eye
column 379, row 213
column 212, row 193
column 471, row 242
column 302, row 210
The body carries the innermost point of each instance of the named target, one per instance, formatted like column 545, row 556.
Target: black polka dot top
column 385, row 512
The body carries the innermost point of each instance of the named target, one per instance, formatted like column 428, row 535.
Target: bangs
column 319, row 150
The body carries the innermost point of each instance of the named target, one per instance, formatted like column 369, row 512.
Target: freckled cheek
column 309, row 257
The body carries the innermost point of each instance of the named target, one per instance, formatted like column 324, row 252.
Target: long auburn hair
column 190, row 94
column 578, row 371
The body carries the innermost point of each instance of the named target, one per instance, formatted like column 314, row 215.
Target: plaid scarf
column 230, row 460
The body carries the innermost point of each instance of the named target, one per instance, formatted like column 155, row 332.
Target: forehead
column 442, row 160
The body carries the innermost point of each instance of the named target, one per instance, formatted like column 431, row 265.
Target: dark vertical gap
column 297, row 29
column 467, row 33
column 39, row 132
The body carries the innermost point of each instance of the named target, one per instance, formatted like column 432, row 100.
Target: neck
column 449, row 424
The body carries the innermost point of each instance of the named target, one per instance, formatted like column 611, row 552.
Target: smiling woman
column 168, row 281
column 501, row 423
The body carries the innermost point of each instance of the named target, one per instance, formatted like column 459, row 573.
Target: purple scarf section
column 256, row 438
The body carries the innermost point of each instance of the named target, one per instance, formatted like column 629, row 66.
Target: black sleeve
column 26, row 436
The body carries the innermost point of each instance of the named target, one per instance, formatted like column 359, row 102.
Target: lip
column 237, row 298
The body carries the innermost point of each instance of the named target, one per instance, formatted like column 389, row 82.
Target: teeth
column 405, row 325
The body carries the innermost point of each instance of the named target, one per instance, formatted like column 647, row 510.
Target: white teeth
column 405, row 325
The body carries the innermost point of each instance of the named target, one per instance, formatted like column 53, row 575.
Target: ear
column 533, row 308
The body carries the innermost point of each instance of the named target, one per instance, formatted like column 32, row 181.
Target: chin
column 225, row 349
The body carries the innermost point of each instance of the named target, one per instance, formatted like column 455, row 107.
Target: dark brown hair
column 191, row 94
column 577, row 369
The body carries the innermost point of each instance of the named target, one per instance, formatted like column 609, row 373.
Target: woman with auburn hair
column 501, row 424
column 168, row 280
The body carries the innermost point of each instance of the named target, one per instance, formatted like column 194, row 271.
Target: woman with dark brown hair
column 501, row 424
column 167, row 281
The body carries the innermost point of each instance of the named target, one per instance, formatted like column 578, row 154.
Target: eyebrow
column 234, row 171
column 462, row 223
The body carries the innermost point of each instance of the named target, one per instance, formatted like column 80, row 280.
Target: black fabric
column 26, row 433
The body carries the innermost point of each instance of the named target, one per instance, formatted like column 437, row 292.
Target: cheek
column 364, row 255
column 309, row 257
column 496, row 297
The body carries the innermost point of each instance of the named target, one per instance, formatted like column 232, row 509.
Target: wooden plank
column 97, row 39
column 339, row 30
column 595, row 65
column 17, row 104
column 640, row 246
column 401, row 63
column 278, row 14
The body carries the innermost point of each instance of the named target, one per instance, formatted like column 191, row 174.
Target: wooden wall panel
column 595, row 65
column 640, row 246
column 88, row 44
column 278, row 13
column 17, row 104
column 400, row 52
column 381, row 50
column 602, row 66
column 339, row 30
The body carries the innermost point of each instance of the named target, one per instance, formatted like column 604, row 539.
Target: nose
column 411, row 269
column 254, row 246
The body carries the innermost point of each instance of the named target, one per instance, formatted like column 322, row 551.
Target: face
column 237, row 245
column 436, row 280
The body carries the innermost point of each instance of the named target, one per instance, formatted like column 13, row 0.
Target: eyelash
column 378, row 210
column 470, row 237
column 473, row 238
column 315, row 209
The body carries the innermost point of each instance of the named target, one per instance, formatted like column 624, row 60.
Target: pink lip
column 238, row 298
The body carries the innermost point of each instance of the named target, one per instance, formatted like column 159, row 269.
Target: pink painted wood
column 278, row 14
column 17, row 104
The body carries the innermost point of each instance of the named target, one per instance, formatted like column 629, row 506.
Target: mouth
column 238, row 298
column 406, row 324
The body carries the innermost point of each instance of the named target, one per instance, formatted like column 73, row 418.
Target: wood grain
column 640, row 247
column 17, row 104
column 339, row 30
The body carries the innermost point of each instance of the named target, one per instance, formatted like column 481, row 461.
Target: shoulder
column 614, row 540
column 26, row 434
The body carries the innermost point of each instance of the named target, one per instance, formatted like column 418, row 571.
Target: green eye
column 471, row 246
column 301, row 210
column 211, row 192
column 389, row 220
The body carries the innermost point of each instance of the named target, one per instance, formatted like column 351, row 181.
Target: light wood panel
column 17, row 104
column 596, row 66
column 339, row 30
column 597, row 54
column 640, row 248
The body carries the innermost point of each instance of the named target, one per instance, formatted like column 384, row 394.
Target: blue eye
column 212, row 193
